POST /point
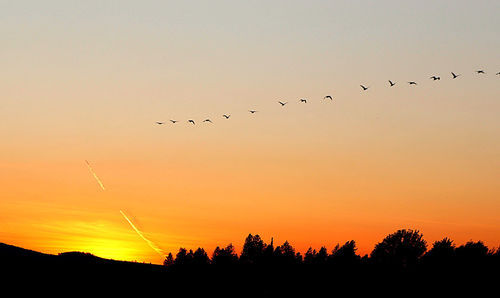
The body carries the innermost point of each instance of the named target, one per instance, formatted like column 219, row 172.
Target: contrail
column 149, row 242
column 95, row 176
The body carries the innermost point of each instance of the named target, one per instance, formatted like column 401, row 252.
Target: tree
column 183, row 257
column 253, row 249
column 441, row 250
column 200, row 257
column 472, row 250
column 310, row 256
column 321, row 256
column 169, row 260
column 401, row 249
column 269, row 253
column 285, row 254
column 224, row 256
column 344, row 255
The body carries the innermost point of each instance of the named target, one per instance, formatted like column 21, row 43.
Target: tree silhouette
column 310, row 256
column 322, row 256
column 400, row 249
column 269, row 253
column 441, row 250
column 183, row 257
column 200, row 257
column 224, row 256
column 344, row 255
column 472, row 253
column 253, row 250
column 169, row 260
column 281, row 270
column 285, row 254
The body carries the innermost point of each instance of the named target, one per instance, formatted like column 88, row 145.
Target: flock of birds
column 303, row 100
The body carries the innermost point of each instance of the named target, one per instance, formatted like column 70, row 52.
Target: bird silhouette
column 412, row 83
column 435, row 78
column 282, row 103
column 207, row 120
column 480, row 71
column 391, row 83
column 455, row 75
column 226, row 116
column 159, row 123
column 328, row 97
column 364, row 88
column 303, row 100
column 252, row 111
column 191, row 121
column 173, row 121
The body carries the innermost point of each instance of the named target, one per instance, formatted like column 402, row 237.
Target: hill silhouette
column 402, row 261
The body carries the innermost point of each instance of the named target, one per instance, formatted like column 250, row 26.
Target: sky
column 87, row 80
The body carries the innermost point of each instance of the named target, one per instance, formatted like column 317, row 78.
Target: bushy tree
column 442, row 249
column 401, row 249
column 472, row 250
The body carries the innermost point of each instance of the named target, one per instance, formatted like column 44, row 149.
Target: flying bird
column 226, row 116
column 412, row 83
column 364, row 88
column 174, row 121
column 159, row 123
column 252, row 111
column 207, row 120
column 303, row 100
column 328, row 97
column 455, row 75
column 191, row 121
column 391, row 83
column 282, row 103
column 435, row 78
column 480, row 71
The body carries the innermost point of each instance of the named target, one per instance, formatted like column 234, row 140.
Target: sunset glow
column 88, row 81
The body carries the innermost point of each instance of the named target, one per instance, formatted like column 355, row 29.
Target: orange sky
column 88, row 83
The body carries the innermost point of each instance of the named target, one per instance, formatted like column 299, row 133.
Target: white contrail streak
column 95, row 176
column 149, row 242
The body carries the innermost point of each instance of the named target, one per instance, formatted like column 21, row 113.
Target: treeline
column 402, row 250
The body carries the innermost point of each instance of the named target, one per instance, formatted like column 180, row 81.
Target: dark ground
column 75, row 273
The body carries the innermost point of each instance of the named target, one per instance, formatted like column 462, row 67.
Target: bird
column 328, row 97
column 173, row 121
column 412, row 83
column 498, row 73
column 226, row 116
column 252, row 111
column 207, row 120
column 303, row 100
column 282, row 103
column 364, row 88
column 455, row 75
column 391, row 83
column 159, row 123
column 480, row 71
column 191, row 121
column 435, row 78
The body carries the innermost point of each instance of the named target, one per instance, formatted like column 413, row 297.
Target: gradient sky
column 86, row 80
